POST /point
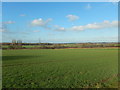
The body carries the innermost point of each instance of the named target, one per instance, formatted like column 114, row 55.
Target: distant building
column 19, row 41
column 13, row 41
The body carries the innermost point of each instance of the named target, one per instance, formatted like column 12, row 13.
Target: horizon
column 66, row 42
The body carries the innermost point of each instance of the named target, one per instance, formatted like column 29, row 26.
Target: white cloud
column 95, row 26
column 61, row 29
column 80, row 28
column 58, row 28
column 104, row 24
column 40, row 22
column 88, row 6
column 36, row 31
column 72, row 17
column 9, row 22
column 22, row 15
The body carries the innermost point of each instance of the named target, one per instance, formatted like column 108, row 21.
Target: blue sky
column 60, row 22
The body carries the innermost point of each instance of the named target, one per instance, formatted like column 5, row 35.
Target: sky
column 60, row 0
column 60, row 22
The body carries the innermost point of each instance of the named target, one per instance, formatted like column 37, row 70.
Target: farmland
column 60, row 68
column 57, row 45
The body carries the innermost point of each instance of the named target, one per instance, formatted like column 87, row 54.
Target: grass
column 60, row 68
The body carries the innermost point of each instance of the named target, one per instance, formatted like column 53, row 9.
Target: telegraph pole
column 39, row 41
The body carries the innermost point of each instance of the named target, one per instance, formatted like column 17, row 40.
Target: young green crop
column 60, row 68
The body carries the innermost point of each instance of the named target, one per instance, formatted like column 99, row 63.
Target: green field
column 60, row 68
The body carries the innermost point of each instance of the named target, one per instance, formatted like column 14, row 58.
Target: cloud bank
column 103, row 25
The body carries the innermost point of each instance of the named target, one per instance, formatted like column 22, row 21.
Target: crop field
column 60, row 68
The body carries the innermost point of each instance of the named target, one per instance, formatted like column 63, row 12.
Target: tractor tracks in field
column 94, row 84
column 103, row 81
